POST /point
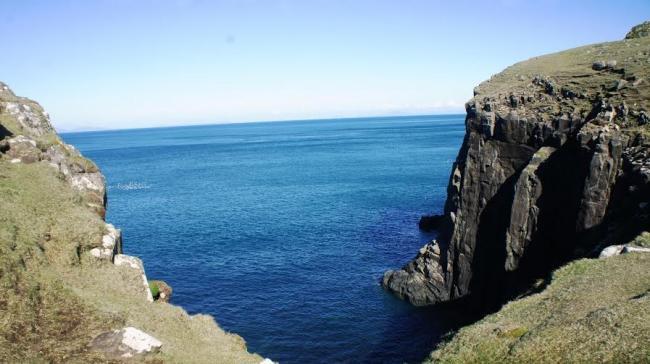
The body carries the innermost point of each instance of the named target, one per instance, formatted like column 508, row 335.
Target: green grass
column 594, row 310
column 642, row 240
column 155, row 291
column 54, row 298
column 43, row 225
column 572, row 70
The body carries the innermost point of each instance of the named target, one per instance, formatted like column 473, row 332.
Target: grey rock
column 23, row 148
column 599, row 65
column 641, row 30
column 533, row 188
column 611, row 251
column 134, row 263
column 126, row 343
column 635, row 249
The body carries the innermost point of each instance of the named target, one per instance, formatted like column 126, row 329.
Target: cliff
column 553, row 167
column 67, row 291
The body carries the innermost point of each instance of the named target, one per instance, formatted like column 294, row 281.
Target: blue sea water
column 283, row 230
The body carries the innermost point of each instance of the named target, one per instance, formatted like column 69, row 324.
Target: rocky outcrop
column 126, row 343
column 28, row 137
column 64, row 276
column 135, row 263
column 639, row 31
column 553, row 166
column 161, row 291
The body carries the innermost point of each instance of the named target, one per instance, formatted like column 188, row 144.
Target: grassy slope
column 594, row 310
column 54, row 298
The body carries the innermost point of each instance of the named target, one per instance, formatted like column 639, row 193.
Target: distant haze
column 123, row 64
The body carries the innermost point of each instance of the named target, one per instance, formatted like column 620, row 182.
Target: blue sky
column 137, row 63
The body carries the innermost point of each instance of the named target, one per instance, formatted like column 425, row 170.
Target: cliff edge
column 67, row 291
column 553, row 167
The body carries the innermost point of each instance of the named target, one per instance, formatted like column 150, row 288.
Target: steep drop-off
column 554, row 166
column 67, row 291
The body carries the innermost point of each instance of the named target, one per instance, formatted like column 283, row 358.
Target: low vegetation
column 594, row 310
column 54, row 298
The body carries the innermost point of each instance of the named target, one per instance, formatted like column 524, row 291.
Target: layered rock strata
column 554, row 165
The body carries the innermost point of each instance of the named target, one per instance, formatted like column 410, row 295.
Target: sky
column 113, row 64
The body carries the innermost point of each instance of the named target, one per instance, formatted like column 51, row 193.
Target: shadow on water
column 422, row 328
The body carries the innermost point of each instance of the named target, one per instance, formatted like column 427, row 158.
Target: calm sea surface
column 282, row 230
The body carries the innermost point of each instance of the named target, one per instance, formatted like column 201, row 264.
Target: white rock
column 622, row 249
column 125, row 343
column 15, row 160
column 127, row 260
column 111, row 229
column 108, row 241
column 102, row 253
column 139, row 341
column 134, row 263
column 610, row 251
column 635, row 249
column 267, row 361
column 95, row 252
column 88, row 181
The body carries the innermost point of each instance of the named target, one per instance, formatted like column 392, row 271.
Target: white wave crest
column 130, row 186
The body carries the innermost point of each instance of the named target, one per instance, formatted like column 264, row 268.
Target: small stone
column 620, row 84
column 599, row 65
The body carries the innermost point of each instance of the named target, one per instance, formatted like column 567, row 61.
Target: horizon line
column 73, row 131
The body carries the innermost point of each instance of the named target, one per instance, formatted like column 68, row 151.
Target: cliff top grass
column 54, row 298
column 572, row 81
column 594, row 310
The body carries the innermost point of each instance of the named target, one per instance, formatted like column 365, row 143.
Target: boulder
column 634, row 249
column 23, row 149
column 126, row 343
column 612, row 250
column 599, row 65
column 30, row 115
column 111, row 244
column 430, row 222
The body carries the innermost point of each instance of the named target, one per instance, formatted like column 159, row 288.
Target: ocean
column 282, row 230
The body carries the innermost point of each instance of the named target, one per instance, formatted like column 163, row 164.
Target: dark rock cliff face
column 554, row 166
